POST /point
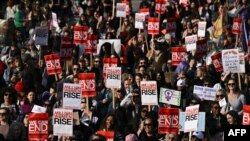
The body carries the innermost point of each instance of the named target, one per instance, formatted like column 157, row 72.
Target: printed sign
column 201, row 49
column 171, row 25
column 222, row 102
column 202, row 29
column 149, row 93
column 153, row 26
column 114, row 43
column 53, row 64
column 246, row 115
column 201, row 121
column 169, row 96
column 127, row 7
column 109, row 135
column 80, row 34
column 190, row 42
column 120, row 10
column 217, row 62
column 54, row 21
column 109, row 62
column 139, row 20
column 66, row 48
column 242, row 63
column 160, row 7
column 72, row 96
column 205, row 93
column 231, row 60
column 145, row 11
column 63, row 122
column 191, row 118
column 113, row 77
column 236, row 26
column 168, row 121
column 91, row 46
column 42, row 35
column 87, row 81
column 38, row 109
column 38, row 126
column 178, row 55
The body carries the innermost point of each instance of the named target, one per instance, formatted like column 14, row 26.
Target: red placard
column 91, row 46
column 80, row 34
column 87, row 80
column 178, row 55
column 38, row 126
column 201, row 48
column 168, row 121
column 144, row 11
column 160, row 6
column 109, row 135
column 66, row 48
column 236, row 26
column 53, row 64
column 153, row 26
column 109, row 62
column 171, row 25
column 217, row 62
column 246, row 115
column 127, row 7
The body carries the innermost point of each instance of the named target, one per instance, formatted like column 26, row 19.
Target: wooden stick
column 190, row 135
column 113, row 10
column 120, row 24
column 239, row 81
column 91, row 60
column 149, row 108
column 139, row 31
column 113, row 98
column 87, row 104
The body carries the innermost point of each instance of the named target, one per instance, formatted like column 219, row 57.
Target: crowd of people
column 24, row 81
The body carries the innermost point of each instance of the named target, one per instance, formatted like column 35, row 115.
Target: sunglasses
column 6, row 94
column 147, row 124
column 219, row 96
column 231, row 84
column 216, row 107
column 2, row 114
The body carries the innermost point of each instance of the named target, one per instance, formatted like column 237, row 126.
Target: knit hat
column 45, row 96
column 19, row 87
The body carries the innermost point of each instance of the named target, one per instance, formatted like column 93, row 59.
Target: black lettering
column 191, row 117
column 62, row 121
column 148, row 92
column 71, row 95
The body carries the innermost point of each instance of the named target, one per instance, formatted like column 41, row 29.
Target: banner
column 62, row 122
column 41, row 35
column 121, row 10
column 169, row 96
column 153, row 26
column 109, row 135
column 66, row 48
column 201, row 48
column 80, row 34
column 53, row 64
column 178, row 54
column 190, row 42
column 205, row 93
column 231, row 60
column 149, row 93
column 202, row 29
column 171, row 25
column 145, row 11
column 113, row 77
column 236, row 26
column 242, row 63
column 91, row 46
column 201, row 121
column 160, row 7
column 109, row 62
column 116, row 43
column 191, row 118
column 38, row 126
column 217, row 62
column 72, row 96
column 246, row 115
column 168, row 121
column 139, row 20
column 87, row 81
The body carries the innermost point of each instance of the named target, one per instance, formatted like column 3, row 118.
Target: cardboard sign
column 41, row 35
column 80, row 34
column 54, row 21
column 201, row 121
column 66, row 48
column 115, row 44
column 145, row 11
column 168, row 121
column 38, row 109
column 149, row 93
column 201, row 49
column 231, row 60
column 63, row 122
column 190, row 42
column 91, row 46
column 217, row 62
column 191, row 118
column 113, row 77
column 222, row 102
column 242, row 63
column 53, row 64
column 171, row 25
column 169, row 96
column 120, row 10
column 246, row 115
column 178, row 54
column 127, row 7
column 109, row 62
column 87, row 81
column 160, row 7
column 205, row 93
column 109, row 135
column 139, row 20
column 202, row 29
column 153, row 26
column 38, row 126
column 72, row 94
column 236, row 26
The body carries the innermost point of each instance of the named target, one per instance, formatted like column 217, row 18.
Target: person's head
column 148, row 125
column 126, row 84
column 8, row 95
column 4, row 115
column 31, row 96
column 207, row 83
column 232, row 85
column 109, row 123
column 15, row 131
column 83, row 103
column 75, row 69
column 142, row 70
column 215, row 108
column 197, row 136
column 142, row 62
column 97, row 62
column 193, row 101
column 232, row 118
column 143, row 112
column 220, row 94
column 201, row 72
column 138, row 78
column 18, row 62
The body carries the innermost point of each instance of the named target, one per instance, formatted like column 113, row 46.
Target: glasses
column 147, row 124
column 216, row 107
column 7, row 94
column 75, row 68
column 97, row 61
column 219, row 96
column 2, row 114
column 231, row 84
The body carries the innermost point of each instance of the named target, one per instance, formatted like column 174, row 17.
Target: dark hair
column 235, row 115
column 103, row 126
column 12, row 92
column 236, row 86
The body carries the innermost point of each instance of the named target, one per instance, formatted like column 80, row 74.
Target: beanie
column 19, row 87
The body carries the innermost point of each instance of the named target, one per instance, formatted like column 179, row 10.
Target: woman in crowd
column 233, row 118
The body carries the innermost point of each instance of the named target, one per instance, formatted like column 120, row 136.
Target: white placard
column 72, row 94
column 190, row 42
column 191, row 118
column 113, row 77
column 169, row 96
column 63, row 122
column 139, row 20
column 231, row 60
column 38, row 109
column 121, row 10
column 202, row 29
column 205, row 93
column 149, row 93
column 41, row 35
